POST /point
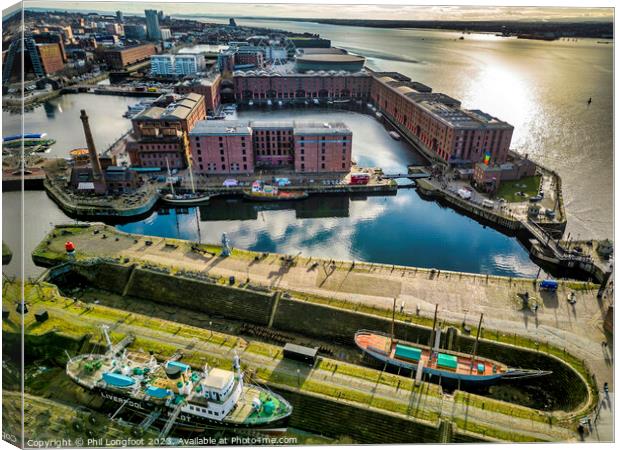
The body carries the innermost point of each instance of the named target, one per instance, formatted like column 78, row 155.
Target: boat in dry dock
column 442, row 364
column 174, row 393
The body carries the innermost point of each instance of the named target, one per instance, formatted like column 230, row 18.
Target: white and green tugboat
column 176, row 395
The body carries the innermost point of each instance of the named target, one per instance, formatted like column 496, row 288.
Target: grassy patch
column 404, row 384
column 500, row 407
column 528, row 185
column 494, row 433
column 350, row 395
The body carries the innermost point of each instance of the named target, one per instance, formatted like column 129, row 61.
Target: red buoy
column 69, row 247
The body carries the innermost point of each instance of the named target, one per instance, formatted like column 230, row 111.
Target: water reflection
column 400, row 229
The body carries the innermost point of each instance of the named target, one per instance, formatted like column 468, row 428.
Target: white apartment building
column 186, row 64
column 162, row 65
column 168, row 64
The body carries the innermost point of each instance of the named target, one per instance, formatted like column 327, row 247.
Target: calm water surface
column 539, row 87
column 401, row 229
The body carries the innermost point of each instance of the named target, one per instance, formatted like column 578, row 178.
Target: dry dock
column 461, row 297
column 390, row 408
column 570, row 331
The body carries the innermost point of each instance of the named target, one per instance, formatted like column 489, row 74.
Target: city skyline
column 366, row 11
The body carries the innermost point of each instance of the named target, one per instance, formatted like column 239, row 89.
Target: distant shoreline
column 600, row 30
column 536, row 30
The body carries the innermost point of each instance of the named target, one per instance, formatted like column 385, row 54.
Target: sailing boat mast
column 191, row 175
column 169, row 176
column 473, row 357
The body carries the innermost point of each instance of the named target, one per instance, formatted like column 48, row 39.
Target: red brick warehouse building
column 208, row 87
column 159, row 136
column 438, row 124
column 260, row 86
column 118, row 58
column 238, row 147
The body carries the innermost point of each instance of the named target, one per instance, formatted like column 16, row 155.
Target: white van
column 488, row 203
column 464, row 193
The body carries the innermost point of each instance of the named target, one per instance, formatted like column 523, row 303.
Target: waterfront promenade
column 461, row 297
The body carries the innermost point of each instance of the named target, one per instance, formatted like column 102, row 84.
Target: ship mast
column 393, row 318
column 169, row 176
column 104, row 329
column 191, row 175
column 432, row 338
column 473, row 358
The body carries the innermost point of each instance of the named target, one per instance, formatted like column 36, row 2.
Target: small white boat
column 137, row 108
column 369, row 105
column 269, row 103
column 251, row 103
column 279, row 102
column 184, row 199
column 315, row 101
column 378, row 115
column 394, row 135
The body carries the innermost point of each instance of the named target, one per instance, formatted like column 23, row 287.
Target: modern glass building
column 153, row 31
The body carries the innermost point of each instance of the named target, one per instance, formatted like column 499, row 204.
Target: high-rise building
column 153, row 31
column 119, row 16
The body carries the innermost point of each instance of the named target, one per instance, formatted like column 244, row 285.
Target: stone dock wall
column 313, row 412
column 94, row 211
column 317, row 320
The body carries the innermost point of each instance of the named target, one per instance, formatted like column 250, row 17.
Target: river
column 539, row 87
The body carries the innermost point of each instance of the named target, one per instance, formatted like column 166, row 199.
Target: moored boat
column 394, row 135
column 16, row 137
column 275, row 196
column 188, row 199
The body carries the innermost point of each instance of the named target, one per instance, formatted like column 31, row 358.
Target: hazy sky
column 367, row 11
